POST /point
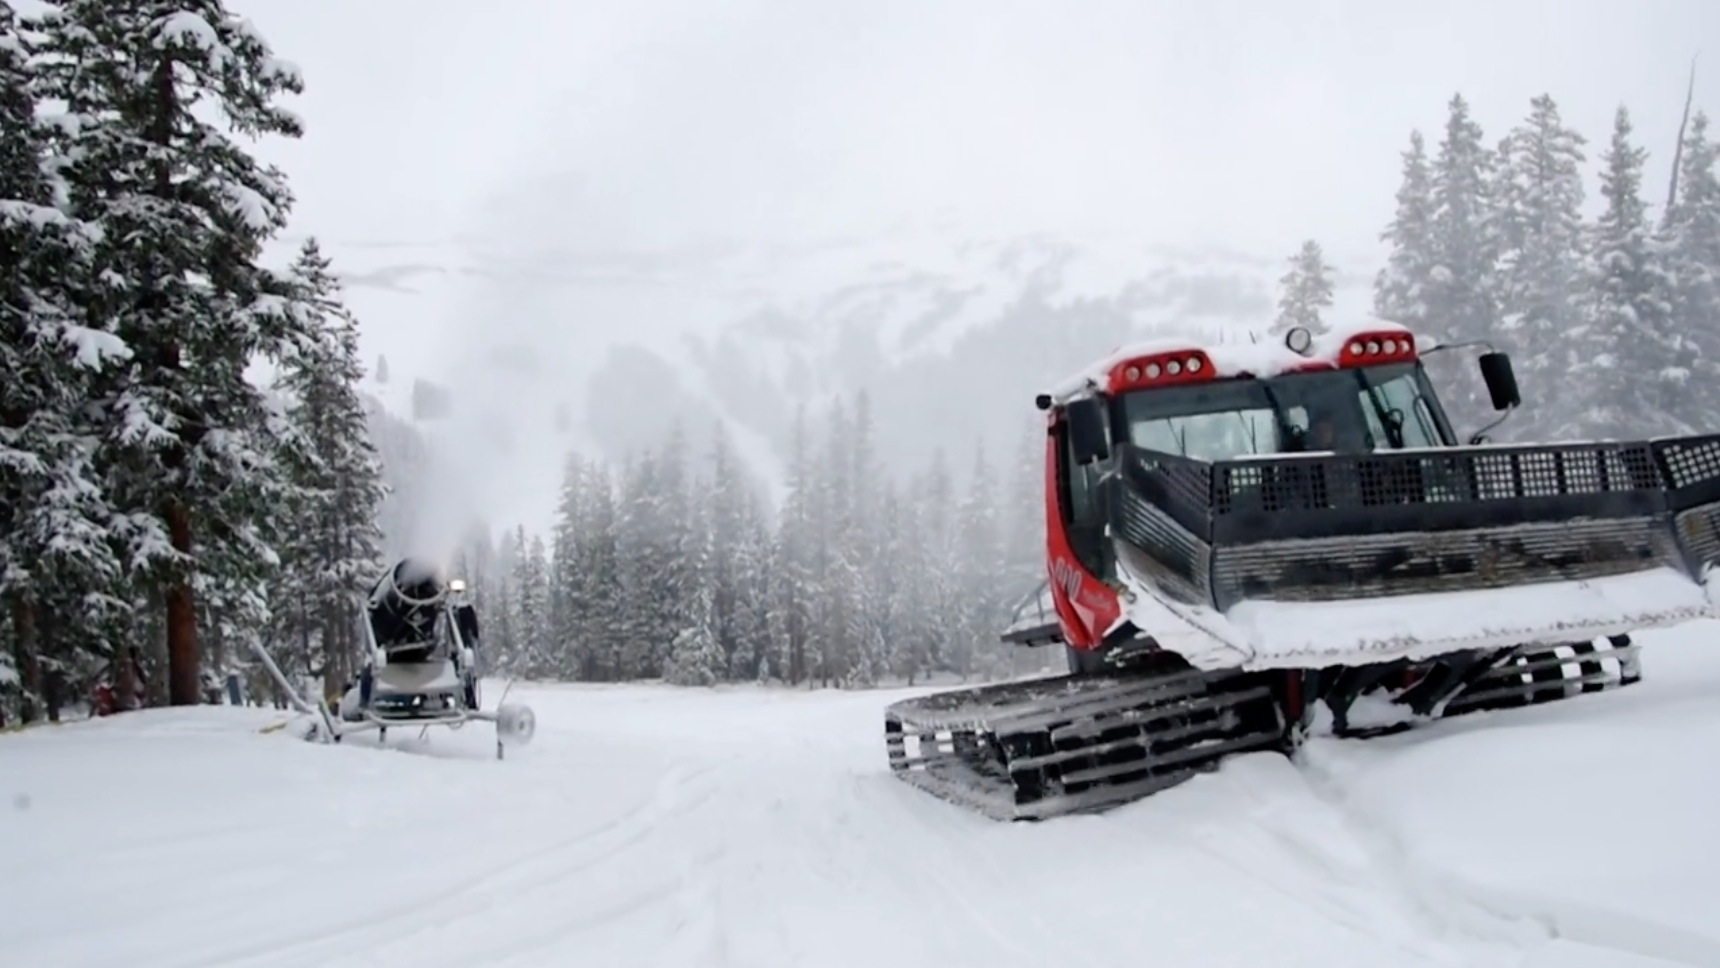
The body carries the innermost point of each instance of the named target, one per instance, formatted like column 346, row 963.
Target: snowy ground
column 650, row 826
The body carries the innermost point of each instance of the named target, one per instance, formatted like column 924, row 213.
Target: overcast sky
column 660, row 124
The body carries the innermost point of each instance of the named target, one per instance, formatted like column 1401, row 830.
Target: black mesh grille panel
column 1323, row 569
column 1313, row 527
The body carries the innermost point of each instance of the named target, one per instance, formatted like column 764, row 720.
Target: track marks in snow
column 1598, row 931
column 1263, row 821
column 437, row 917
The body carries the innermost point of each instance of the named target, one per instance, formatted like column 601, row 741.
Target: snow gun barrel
column 404, row 604
column 1324, row 527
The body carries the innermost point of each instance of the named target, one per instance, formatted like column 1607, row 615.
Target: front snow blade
column 1042, row 748
column 1205, row 537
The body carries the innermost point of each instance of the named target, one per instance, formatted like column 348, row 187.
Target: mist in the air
column 588, row 221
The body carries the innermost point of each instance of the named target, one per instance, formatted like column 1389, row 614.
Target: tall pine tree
column 1539, row 197
column 334, row 549
column 1304, row 291
column 183, row 212
column 1460, row 290
column 56, row 565
column 1401, row 288
column 1633, row 364
column 1693, row 257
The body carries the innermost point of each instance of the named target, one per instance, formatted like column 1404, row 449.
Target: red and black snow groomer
column 1247, row 545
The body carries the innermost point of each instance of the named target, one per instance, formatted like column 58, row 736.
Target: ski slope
column 745, row 827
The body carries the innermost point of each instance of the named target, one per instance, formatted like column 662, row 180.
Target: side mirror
column 1087, row 436
column 1501, row 381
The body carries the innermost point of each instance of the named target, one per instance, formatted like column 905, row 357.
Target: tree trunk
column 333, row 666
column 54, row 671
column 29, row 660
column 183, row 675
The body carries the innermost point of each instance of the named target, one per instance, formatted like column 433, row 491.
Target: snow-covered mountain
column 543, row 350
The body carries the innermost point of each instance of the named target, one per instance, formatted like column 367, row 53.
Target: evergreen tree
column 56, row 563
column 1540, row 197
column 1633, row 364
column 1693, row 256
column 533, row 653
column 794, row 561
column 1305, row 290
column 183, row 212
column 333, row 552
column 1401, row 288
column 1459, row 295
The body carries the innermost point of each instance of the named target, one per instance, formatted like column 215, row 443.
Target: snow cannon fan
column 403, row 607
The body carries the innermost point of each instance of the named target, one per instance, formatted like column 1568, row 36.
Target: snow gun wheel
column 516, row 724
column 1044, row 748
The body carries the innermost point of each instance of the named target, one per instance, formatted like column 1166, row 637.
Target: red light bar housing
column 1382, row 346
column 1171, row 368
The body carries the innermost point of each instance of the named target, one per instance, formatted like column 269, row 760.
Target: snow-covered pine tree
column 755, row 656
column 532, row 655
column 1400, row 289
column 57, row 567
column 568, row 598
column 1692, row 227
column 504, row 637
column 1304, row 291
column 1632, row 364
column 1460, row 290
column 333, row 551
column 793, row 560
column 1539, row 196
column 725, row 502
column 837, row 629
column 867, row 530
column 980, row 547
column 695, row 655
column 183, row 210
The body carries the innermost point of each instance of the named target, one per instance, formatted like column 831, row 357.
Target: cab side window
column 1081, row 505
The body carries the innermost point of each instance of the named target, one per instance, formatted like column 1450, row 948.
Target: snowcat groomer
column 1247, row 545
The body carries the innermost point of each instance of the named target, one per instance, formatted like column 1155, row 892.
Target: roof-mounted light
column 1378, row 347
column 1159, row 369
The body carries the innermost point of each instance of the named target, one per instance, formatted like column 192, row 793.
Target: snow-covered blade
column 1316, row 560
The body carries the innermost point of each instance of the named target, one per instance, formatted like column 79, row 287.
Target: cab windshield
column 1345, row 411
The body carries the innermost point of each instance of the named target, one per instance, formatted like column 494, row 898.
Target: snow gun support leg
column 325, row 727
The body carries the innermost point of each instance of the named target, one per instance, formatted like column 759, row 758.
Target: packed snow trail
column 657, row 826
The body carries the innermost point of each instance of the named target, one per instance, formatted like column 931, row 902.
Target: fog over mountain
column 615, row 217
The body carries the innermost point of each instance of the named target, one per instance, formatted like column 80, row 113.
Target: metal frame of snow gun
column 514, row 723
column 1324, row 527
